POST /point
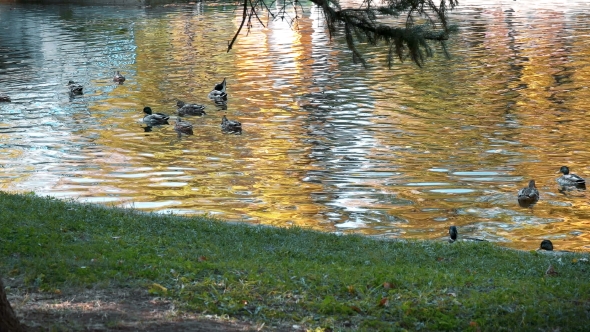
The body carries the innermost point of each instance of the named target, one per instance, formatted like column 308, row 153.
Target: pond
column 326, row 144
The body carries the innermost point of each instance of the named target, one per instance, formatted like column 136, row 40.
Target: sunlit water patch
column 326, row 143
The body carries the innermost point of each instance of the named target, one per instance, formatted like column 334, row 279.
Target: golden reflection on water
column 326, row 144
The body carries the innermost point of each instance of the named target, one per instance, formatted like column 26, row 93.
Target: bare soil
column 114, row 310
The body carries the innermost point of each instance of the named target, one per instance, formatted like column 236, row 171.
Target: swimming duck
column 529, row 195
column 75, row 88
column 453, row 233
column 218, row 93
column 183, row 127
column 4, row 98
column 118, row 78
column 154, row 119
column 570, row 180
column 189, row 109
column 231, row 126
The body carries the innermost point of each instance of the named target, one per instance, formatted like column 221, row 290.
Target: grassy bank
column 290, row 276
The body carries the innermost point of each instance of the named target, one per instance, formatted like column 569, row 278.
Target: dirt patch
column 120, row 310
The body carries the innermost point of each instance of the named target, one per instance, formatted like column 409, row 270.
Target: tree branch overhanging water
column 371, row 23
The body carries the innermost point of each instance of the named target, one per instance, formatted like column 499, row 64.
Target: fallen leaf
column 387, row 285
column 351, row 289
column 551, row 271
column 384, row 301
column 157, row 288
column 355, row 308
column 452, row 294
column 202, row 258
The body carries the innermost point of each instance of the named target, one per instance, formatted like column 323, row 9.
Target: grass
column 280, row 276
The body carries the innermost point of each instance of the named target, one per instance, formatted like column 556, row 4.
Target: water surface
column 327, row 144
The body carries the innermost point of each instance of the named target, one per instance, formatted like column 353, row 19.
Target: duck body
column 183, row 127
column 190, row 109
column 4, row 98
column 75, row 88
column 218, row 93
column 231, row 126
column 118, row 77
column 570, row 180
column 453, row 233
column 529, row 195
column 546, row 245
column 154, row 119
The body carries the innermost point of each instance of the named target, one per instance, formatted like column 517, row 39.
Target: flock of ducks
column 527, row 196
column 530, row 195
column 217, row 95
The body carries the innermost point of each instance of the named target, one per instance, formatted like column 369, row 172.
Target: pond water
column 326, row 144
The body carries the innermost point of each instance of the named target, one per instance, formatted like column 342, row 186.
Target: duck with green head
column 154, row 119
column 218, row 93
column 569, row 180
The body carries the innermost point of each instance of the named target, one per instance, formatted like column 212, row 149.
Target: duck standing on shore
column 453, row 234
column 529, row 195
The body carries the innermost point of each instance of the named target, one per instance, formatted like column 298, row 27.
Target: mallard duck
column 546, row 245
column 189, row 109
column 218, row 93
column 154, row 119
column 231, row 126
column 453, row 233
column 528, row 195
column 75, row 88
column 570, row 180
column 4, row 98
column 118, row 78
column 183, row 127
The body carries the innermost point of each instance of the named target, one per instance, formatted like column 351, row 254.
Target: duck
column 453, row 233
column 218, row 93
column 4, row 98
column 183, row 127
column 546, row 245
column 75, row 88
column 570, row 180
column 154, row 119
column 118, row 78
column 189, row 109
column 529, row 195
column 230, row 126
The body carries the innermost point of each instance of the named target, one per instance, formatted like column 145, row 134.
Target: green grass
column 291, row 276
